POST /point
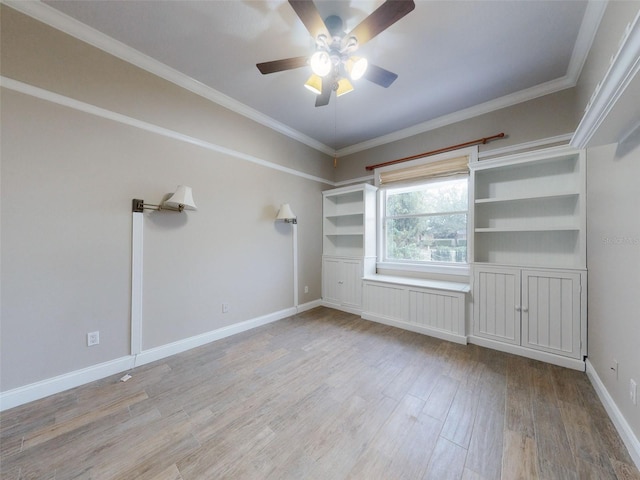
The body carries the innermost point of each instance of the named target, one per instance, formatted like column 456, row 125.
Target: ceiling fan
column 333, row 62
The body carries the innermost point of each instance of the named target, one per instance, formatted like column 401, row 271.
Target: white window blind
column 441, row 168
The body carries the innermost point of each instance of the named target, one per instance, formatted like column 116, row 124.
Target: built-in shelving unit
column 349, row 221
column 348, row 244
column 529, row 269
column 529, row 209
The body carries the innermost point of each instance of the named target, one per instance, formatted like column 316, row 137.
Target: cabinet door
column 351, row 283
column 331, row 276
column 551, row 312
column 496, row 304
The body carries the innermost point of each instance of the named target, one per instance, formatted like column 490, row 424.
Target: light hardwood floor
column 322, row 395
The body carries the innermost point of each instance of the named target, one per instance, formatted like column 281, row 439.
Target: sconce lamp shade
column 182, row 199
column 286, row 214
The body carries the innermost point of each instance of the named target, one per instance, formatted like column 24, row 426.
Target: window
column 426, row 222
column 423, row 215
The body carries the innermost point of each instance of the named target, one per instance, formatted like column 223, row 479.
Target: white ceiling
column 455, row 59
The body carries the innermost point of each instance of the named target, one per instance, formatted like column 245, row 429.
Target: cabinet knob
column 525, row 309
column 518, row 309
column 340, row 282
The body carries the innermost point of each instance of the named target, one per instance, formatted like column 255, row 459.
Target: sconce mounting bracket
column 138, row 205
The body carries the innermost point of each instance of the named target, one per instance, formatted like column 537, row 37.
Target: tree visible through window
column 427, row 222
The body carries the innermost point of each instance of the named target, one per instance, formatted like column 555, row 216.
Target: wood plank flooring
column 322, row 395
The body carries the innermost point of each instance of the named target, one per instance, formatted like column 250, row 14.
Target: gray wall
column 613, row 260
column 68, row 178
column 613, row 233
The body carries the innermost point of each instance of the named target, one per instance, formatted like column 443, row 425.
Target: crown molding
column 60, row 21
column 587, row 34
column 623, row 68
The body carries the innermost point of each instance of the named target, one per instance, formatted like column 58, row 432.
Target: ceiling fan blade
column 310, row 17
column 382, row 18
column 323, row 98
column 280, row 65
column 380, row 76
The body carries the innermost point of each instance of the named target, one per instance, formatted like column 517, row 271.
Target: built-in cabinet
column 348, row 244
column 532, row 308
column 529, row 269
column 342, row 282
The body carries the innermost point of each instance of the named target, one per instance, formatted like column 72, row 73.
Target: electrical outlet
column 93, row 338
column 225, row 308
column 614, row 368
column 306, row 289
column 633, row 391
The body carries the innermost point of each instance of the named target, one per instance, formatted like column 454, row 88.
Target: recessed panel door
column 496, row 304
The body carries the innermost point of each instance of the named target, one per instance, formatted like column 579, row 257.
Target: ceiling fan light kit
column 356, row 67
column 321, row 63
column 333, row 62
column 314, row 84
column 343, row 86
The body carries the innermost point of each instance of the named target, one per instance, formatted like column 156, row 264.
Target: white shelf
column 529, row 209
column 568, row 228
column 525, row 198
column 349, row 221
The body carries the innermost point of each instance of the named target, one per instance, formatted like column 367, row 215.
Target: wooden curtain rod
column 433, row 152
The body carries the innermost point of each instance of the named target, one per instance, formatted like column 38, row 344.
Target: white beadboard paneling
column 552, row 319
column 497, row 297
column 437, row 311
column 385, row 301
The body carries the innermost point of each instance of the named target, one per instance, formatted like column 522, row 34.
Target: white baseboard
column 547, row 357
column 309, row 305
column 432, row 332
column 44, row 388
column 342, row 308
column 622, row 426
column 158, row 353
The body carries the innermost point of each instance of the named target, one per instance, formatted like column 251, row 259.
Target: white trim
column 587, row 34
column 533, row 145
column 624, row 66
column 309, row 305
column 342, row 308
column 87, row 34
column 412, row 327
column 295, row 265
column 367, row 179
column 58, row 99
column 163, row 351
column 462, row 269
column 137, row 243
column 44, row 388
column 622, row 426
column 554, row 359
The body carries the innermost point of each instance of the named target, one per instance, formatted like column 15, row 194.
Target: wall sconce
column 181, row 200
column 286, row 214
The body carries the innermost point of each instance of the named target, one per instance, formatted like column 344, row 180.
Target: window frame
column 421, row 266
